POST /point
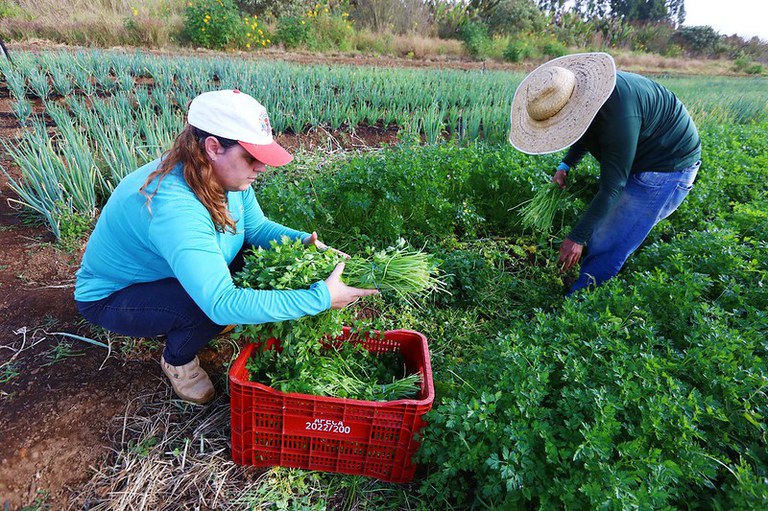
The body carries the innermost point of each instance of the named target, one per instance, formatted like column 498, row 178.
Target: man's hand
column 341, row 294
column 570, row 253
column 312, row 240
column 560, row 178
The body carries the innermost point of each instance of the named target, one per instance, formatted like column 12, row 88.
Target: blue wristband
column 562, row 166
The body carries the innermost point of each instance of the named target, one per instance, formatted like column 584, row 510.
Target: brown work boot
column 189, row 381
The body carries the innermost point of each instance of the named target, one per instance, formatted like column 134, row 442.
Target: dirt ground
column 638, row 63
column 54, row 417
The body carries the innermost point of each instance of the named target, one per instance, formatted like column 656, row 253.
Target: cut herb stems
column 399, row 269
column 346, row 370
column 304, row 363
column 539, row 212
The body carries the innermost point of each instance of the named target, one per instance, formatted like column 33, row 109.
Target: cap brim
column 271, row 154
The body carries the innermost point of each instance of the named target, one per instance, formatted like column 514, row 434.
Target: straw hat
column 555, row 104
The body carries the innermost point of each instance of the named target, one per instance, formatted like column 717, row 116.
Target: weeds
column 40, row 503
column 11, row 367
column 59, row 352
column 9, row 371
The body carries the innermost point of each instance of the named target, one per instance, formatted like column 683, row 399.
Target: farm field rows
column 649, row 392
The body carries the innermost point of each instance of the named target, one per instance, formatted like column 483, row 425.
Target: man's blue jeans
column 647, row 199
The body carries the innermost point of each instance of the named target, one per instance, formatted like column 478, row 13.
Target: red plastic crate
column 349, row 436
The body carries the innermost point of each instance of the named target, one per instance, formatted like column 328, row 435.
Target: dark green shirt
column 641, row 127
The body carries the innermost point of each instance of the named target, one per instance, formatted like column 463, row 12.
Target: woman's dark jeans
column 156, row 308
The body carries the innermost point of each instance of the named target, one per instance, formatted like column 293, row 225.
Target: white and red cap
column 237, row 116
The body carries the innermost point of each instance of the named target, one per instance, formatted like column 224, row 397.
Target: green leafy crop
column 308, row 359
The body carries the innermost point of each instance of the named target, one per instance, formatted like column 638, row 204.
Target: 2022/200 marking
column 327, row 425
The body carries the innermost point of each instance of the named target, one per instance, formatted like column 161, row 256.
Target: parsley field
column 647, row 393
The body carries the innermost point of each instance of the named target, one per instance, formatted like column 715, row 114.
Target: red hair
column 188, row 149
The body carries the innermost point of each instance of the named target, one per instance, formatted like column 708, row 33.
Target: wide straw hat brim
column 595, row 75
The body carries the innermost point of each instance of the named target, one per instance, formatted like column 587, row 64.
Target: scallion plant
column 538, row 213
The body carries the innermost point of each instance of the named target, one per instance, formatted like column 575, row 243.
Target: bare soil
column 638, row 63
column 52, row 417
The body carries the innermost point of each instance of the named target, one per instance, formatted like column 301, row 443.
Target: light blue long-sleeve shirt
column 132, row 245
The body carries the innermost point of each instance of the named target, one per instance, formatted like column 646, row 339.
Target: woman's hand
column 312, row 240
column 570, row 253
column 341, row 294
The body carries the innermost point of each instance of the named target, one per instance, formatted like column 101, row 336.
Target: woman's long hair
column 189, row 150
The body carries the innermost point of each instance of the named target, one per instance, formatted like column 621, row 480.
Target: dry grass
column 418, row 46
column 100, row 33
column 105, row 23
column 53, row 11
column 649, row 63
column 170, row 455
column 408, row 45
column 166, row 451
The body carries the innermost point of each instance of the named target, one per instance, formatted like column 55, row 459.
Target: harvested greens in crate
column 308, row 357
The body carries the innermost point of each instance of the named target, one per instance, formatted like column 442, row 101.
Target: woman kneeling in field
column 160, row 259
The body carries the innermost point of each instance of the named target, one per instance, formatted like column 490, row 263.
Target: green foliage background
column 211, row 23
column 647, row 393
